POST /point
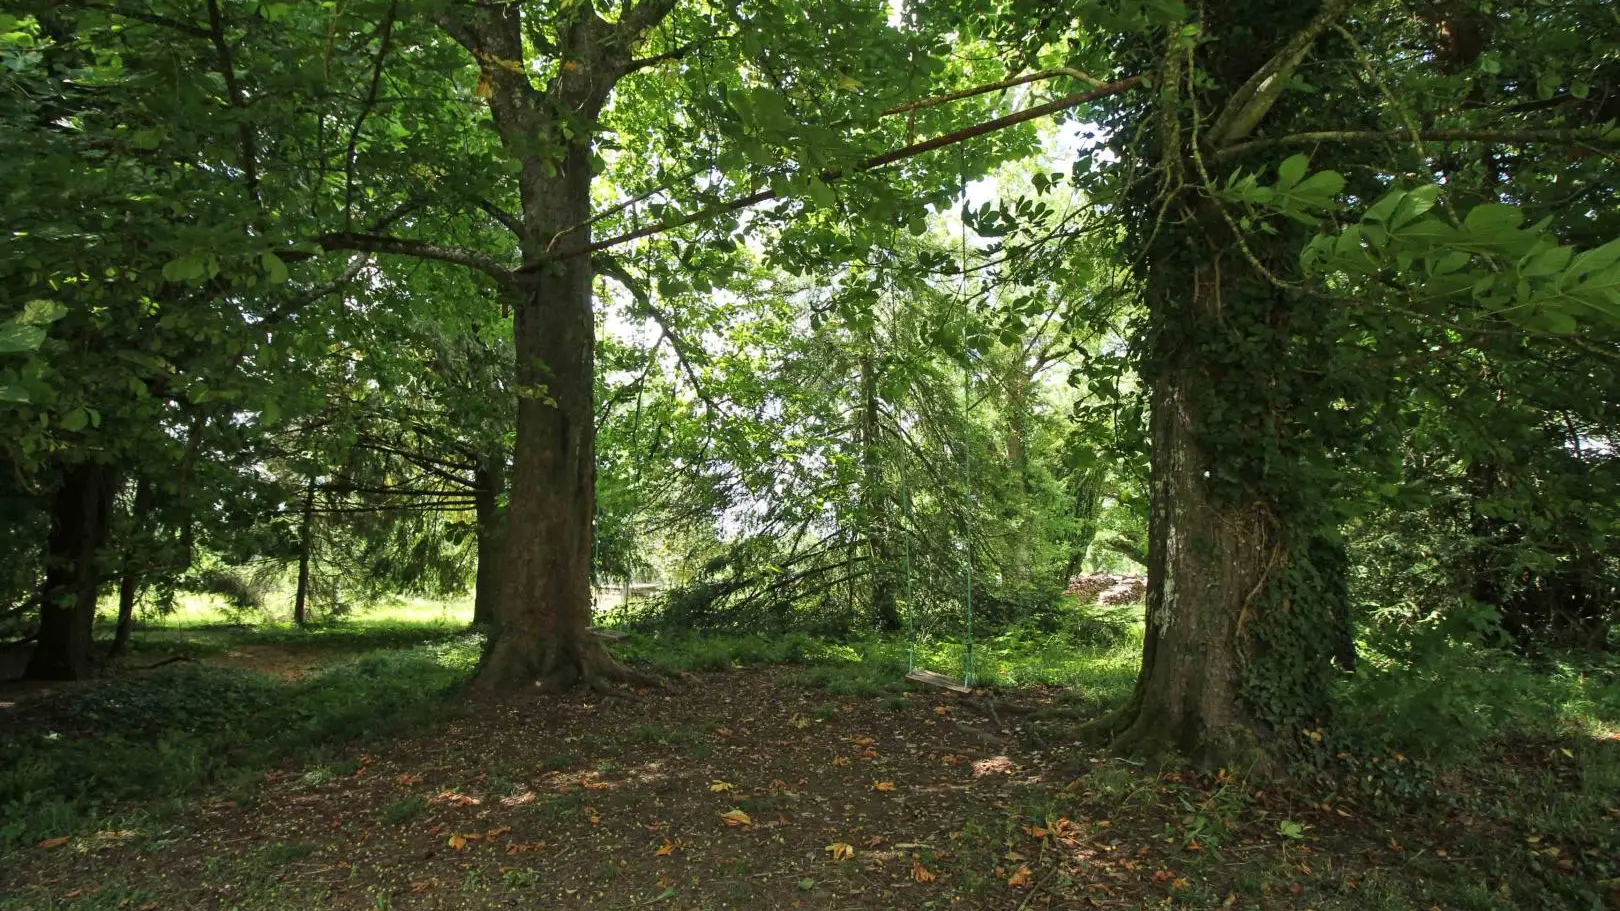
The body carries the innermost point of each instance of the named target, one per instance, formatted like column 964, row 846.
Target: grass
column 134, row 745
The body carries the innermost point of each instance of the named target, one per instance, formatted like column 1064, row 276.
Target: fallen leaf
column 421, row 885
column 841, row 851
column 882, row 785
column 667, row 849
column 942, row 710
column 862, row 741
column 458, row 842
column 493, row 834
column 50, row 843
column 921, row 873
column 408, row 780
column 840, row 761
column 1020, row 877
column 513, row 847
column 1178, row 883
column 737, row 818
column 874, row 841
column 718, row 785
column 518, row 800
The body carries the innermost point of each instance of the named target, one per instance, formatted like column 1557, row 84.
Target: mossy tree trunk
column 1245, row 587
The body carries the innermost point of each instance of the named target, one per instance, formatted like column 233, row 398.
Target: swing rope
column 969, row 675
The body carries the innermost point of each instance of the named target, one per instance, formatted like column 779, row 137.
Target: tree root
column 556, row 666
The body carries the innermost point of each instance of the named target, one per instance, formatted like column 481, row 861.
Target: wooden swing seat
column 611, row 635
column 918, row 675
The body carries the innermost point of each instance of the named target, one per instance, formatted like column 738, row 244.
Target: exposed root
column 556, row 666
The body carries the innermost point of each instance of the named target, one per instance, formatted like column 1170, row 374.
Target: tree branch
column 233, row 91
column 1255, row 98
column 117, row 9
column 870, row 164
column 365, row 111
column 608, row 267
column 1508, row 137
column 507, row 219
column 372, row 243
column 977, row 90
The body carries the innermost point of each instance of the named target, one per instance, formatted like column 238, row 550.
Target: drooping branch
column 1505, row 137
column 608, row 267
column 373, row 243
column 870, row 164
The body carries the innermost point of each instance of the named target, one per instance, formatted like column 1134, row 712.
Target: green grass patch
column 93, row 754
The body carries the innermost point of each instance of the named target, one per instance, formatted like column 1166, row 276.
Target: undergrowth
column 95, row 755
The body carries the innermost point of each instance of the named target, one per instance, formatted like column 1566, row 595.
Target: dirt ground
column 742, row 790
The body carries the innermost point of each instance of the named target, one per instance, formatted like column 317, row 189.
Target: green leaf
column 75, row 420
column 1292, row 170
column 13, row 393
column 16, row 337
column 41, row 312
column 1547, row 262
column 1492, row 218
column 274, row 268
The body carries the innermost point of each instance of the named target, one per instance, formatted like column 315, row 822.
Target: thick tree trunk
column 79, row 521
column 306, row 550
column 129, row 585
column 1206, row 565
column 490, row 479
column 543, row 616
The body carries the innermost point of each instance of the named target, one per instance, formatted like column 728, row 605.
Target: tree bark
column 543, row 616
column 1206, row 563
column 306, row 550
column 129, row 584
column 490, row 479
column 1245, row 586
column 80, row 512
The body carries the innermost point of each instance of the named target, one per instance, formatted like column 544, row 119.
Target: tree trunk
column 490, row 479
column 306, row 549
column 1246, row 600
column 1206, row 563
column 543, row 616
column 129, row 585
column 79, row 521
